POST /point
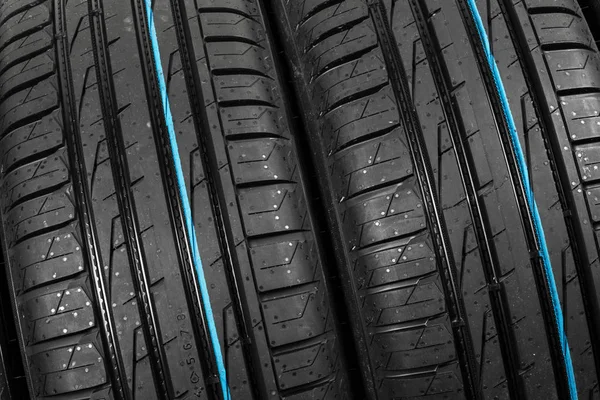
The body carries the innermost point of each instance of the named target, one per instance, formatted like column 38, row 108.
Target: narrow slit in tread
column 239, row 71
column 230, row 39
column 247, row 102
column 264, row 183
column 401, row 284
column 374, row 188
column 291, row 348
column 552, row 10
column 288, row 393
column 577, row 91
column 566, row 46
column 217, row 9
column 391, row 239
column 364, row 138
column 288, row 291
column 270, row 235
column 408, row 325
column 254, row 136
column 418, row 371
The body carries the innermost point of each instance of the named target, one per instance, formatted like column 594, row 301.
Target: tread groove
column 447, row 270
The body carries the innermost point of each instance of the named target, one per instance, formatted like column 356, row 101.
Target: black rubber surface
column 359, row 213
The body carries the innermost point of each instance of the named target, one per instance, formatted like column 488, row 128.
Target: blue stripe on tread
column 214, row 338
column 539, row 231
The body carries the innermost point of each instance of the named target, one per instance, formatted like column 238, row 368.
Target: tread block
column 41, row 260
column 262, row 160
column 425, row 333
column 574, row 69
column 312, row 362
column 21, row 105
column 339, row 47
column 24, row 48
column 64, row 369
column 273, row 209
column 588, row 161
column 405, row 304
column 557, row 28
column 57, row 314
column 402, row 260
column 24, row 22
column 230, row 25
column 390, row 212
column 329, row 20
column 231, row 55
column 370, row 164
column 40, row 214
column 346, row 81
column 26, row 73
column 285, row 263
column 28, row 180
column 296, row 315
column 250, row 120
column 9, row 8
column 299, row 11
column 25, row 142
column 240, row 89
column 583, row 116
column 359, row 119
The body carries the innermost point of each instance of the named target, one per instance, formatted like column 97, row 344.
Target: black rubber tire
column 411, row 151
column 92, row 224
column 421, row 281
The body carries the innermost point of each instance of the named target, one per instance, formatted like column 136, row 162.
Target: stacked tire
column 300, row 199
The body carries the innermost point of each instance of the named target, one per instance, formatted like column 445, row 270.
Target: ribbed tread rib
column 201, row 323
column 435, row 219
column 498, row 295
column 534, row 240
column 584, row 252
column 123, row 188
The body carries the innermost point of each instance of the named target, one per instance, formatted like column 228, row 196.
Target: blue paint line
column 530, row 199
column 187, row 211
